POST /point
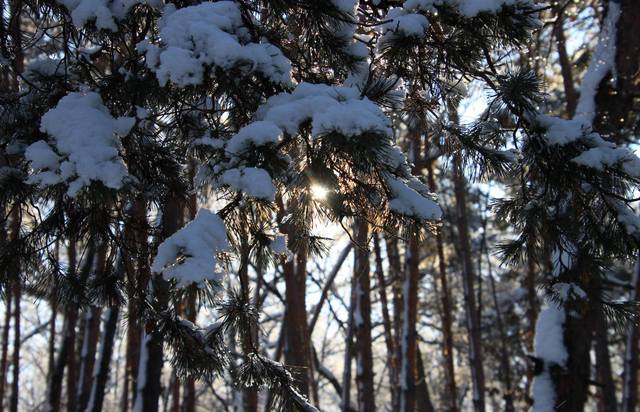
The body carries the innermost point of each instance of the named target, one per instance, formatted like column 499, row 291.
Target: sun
column 319, row 192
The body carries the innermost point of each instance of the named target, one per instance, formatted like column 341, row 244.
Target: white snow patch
column 190, row 255
column 253, row 181
column 210, row 35
column 85, row 137
column 104, row 13
column 407, row 201
column 549, row 348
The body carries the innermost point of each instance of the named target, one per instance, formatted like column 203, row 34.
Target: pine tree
column 171, row 173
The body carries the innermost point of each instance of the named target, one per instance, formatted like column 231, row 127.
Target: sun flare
column 319, row 192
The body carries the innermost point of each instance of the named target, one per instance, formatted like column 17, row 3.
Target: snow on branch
column 190, row 255
column 86, row 145
column 210, row 35
column 104, row 13
column 602, row 62
column 467, row 8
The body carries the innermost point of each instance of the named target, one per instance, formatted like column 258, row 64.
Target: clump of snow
column 627, row 218
column 608, row 155
column 85, row 141
column 468, row 8
column 549, row 341
column 407, row 201
column 330, row 109
column 253, row 181
column 210, row 35
column 560, row 131
column 190, row 255
column 401, row 23
column 209, row 141
column 257, row 133
column 566, row 291
column 104, row 13
column 549, row 348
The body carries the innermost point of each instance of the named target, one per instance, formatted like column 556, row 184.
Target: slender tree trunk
column 531, row 314
column 5, row 347
column 150, row 389
column 297, row 348
column 396, row 282
column 388, row 335
column 630, row 376
column 189, row 400
column 67, row 348
column 52, row 327
column 138, row 277
column 447, row 310
column 249, row 395
column 71, row 336
column 15, row 384
column 607, row 399
column 505, row 357
column 408, row 340
column 468, row 277
column 348, row 352
column 571, row 96
column 423, row 399
column 364, row 356
column 18, row 67
column 88, row 354
column 571, row 385
column 101, row 374
column 615, row 99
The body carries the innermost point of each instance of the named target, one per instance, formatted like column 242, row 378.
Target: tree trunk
column 66, row 355
column 571, row 96
column 101, row 374
column 88, row 354
column 630, row 376
column 396, row 282
column 191, row 312
column 468, row 276
column 615, row 99
column 297, row 349
column 18, row 67
column 392, row 361
column 15, row 384
column 409, row 319
column 70, row 334
column 364, row 356
column 423, row 399
column 138, row 276
column 571, row 385
column 249, row 395
column 348, row 352
column 447, row 310
column 150, row 365
column 5, row 348
column 607, row 397
column 189, row 399
column 505, row 357
column 531, row 313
